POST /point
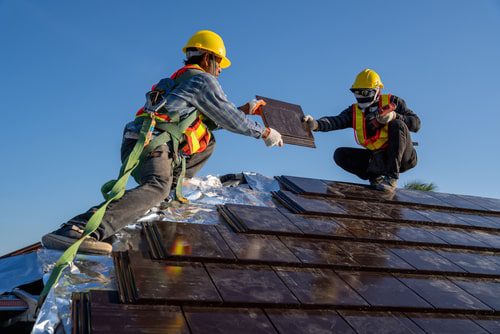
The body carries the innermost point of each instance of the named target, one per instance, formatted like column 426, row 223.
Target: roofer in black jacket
column 382, row 124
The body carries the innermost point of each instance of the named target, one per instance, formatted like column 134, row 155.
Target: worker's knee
column 159, row 184
column 410, row 162
column 398, row 125
column 340, row 155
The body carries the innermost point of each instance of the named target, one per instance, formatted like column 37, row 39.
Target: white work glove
column 255, row 107
column 310, row 122
column 386, row 118
column 272, row 138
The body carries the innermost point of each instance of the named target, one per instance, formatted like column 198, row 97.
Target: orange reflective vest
column 381, row 136
column 197, row 135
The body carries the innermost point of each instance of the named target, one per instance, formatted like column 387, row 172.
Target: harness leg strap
column 180, row 179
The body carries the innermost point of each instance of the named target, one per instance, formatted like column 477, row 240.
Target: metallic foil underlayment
column 97, row 272
column 85, row 273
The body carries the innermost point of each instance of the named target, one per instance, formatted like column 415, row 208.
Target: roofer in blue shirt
column 192, row 93
column 382, row 125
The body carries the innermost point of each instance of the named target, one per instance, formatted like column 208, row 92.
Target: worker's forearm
column 330, row 123
column 214, row 104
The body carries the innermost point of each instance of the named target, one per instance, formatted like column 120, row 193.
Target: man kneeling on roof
column 192, row 92
column 382, row 124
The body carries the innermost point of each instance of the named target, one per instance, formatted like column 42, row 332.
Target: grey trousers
column 156, row 177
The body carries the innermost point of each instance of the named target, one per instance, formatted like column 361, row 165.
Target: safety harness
column 153, row 117
column 381, row 136
column 188, row 136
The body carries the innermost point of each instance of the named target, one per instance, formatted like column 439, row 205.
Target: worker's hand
column 384, row 119
column 272, row 138
column 255, row 107
column 310, row 122
column 373, row 125
column 387, row 109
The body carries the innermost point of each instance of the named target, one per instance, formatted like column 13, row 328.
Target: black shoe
column 67, row 235
column 374, row 181
column 388, row 184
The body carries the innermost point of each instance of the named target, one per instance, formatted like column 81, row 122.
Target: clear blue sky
column 72, row 73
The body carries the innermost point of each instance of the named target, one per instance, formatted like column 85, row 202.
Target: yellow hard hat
column 209, row 41
column 367, row 79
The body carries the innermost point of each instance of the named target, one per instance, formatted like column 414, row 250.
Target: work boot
column 374, row 181
column 388, row 184
column 67, row 235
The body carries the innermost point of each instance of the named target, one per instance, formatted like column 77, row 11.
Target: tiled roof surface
column 331, row 257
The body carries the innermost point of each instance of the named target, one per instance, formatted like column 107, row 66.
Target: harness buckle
column 154, row 102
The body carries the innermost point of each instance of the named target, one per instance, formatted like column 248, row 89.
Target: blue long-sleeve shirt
column 204, row 93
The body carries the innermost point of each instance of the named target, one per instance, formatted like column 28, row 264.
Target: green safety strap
column 178, row 187
column 111, row 190
column 181, row 127
column 175, row 132
column 171, row 133
column 115, row 189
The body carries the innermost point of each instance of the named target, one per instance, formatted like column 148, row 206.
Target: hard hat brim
column 354, row 86
column 225, row 62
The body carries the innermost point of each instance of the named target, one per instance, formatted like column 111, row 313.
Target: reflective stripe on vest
column 197, row 135
column 379, row 139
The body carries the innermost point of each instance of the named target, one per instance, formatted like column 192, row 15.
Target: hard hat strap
column 213, row 64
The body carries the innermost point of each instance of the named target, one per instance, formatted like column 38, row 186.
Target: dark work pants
column 399, row 156
column 155, row 176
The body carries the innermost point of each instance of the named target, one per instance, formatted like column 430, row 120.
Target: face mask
column 365, row 97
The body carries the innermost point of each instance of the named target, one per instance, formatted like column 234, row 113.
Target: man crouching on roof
column 382, row 125
column 192, row 93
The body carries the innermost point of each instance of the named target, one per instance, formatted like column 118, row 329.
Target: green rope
column 115, row 189
column 112, row 191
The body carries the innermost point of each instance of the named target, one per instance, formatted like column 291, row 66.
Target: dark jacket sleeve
column 341, row 121
column 406, row 114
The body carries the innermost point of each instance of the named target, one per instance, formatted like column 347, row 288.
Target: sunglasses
column 363, row 92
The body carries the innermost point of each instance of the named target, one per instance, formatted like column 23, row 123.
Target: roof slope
column 330, row 256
